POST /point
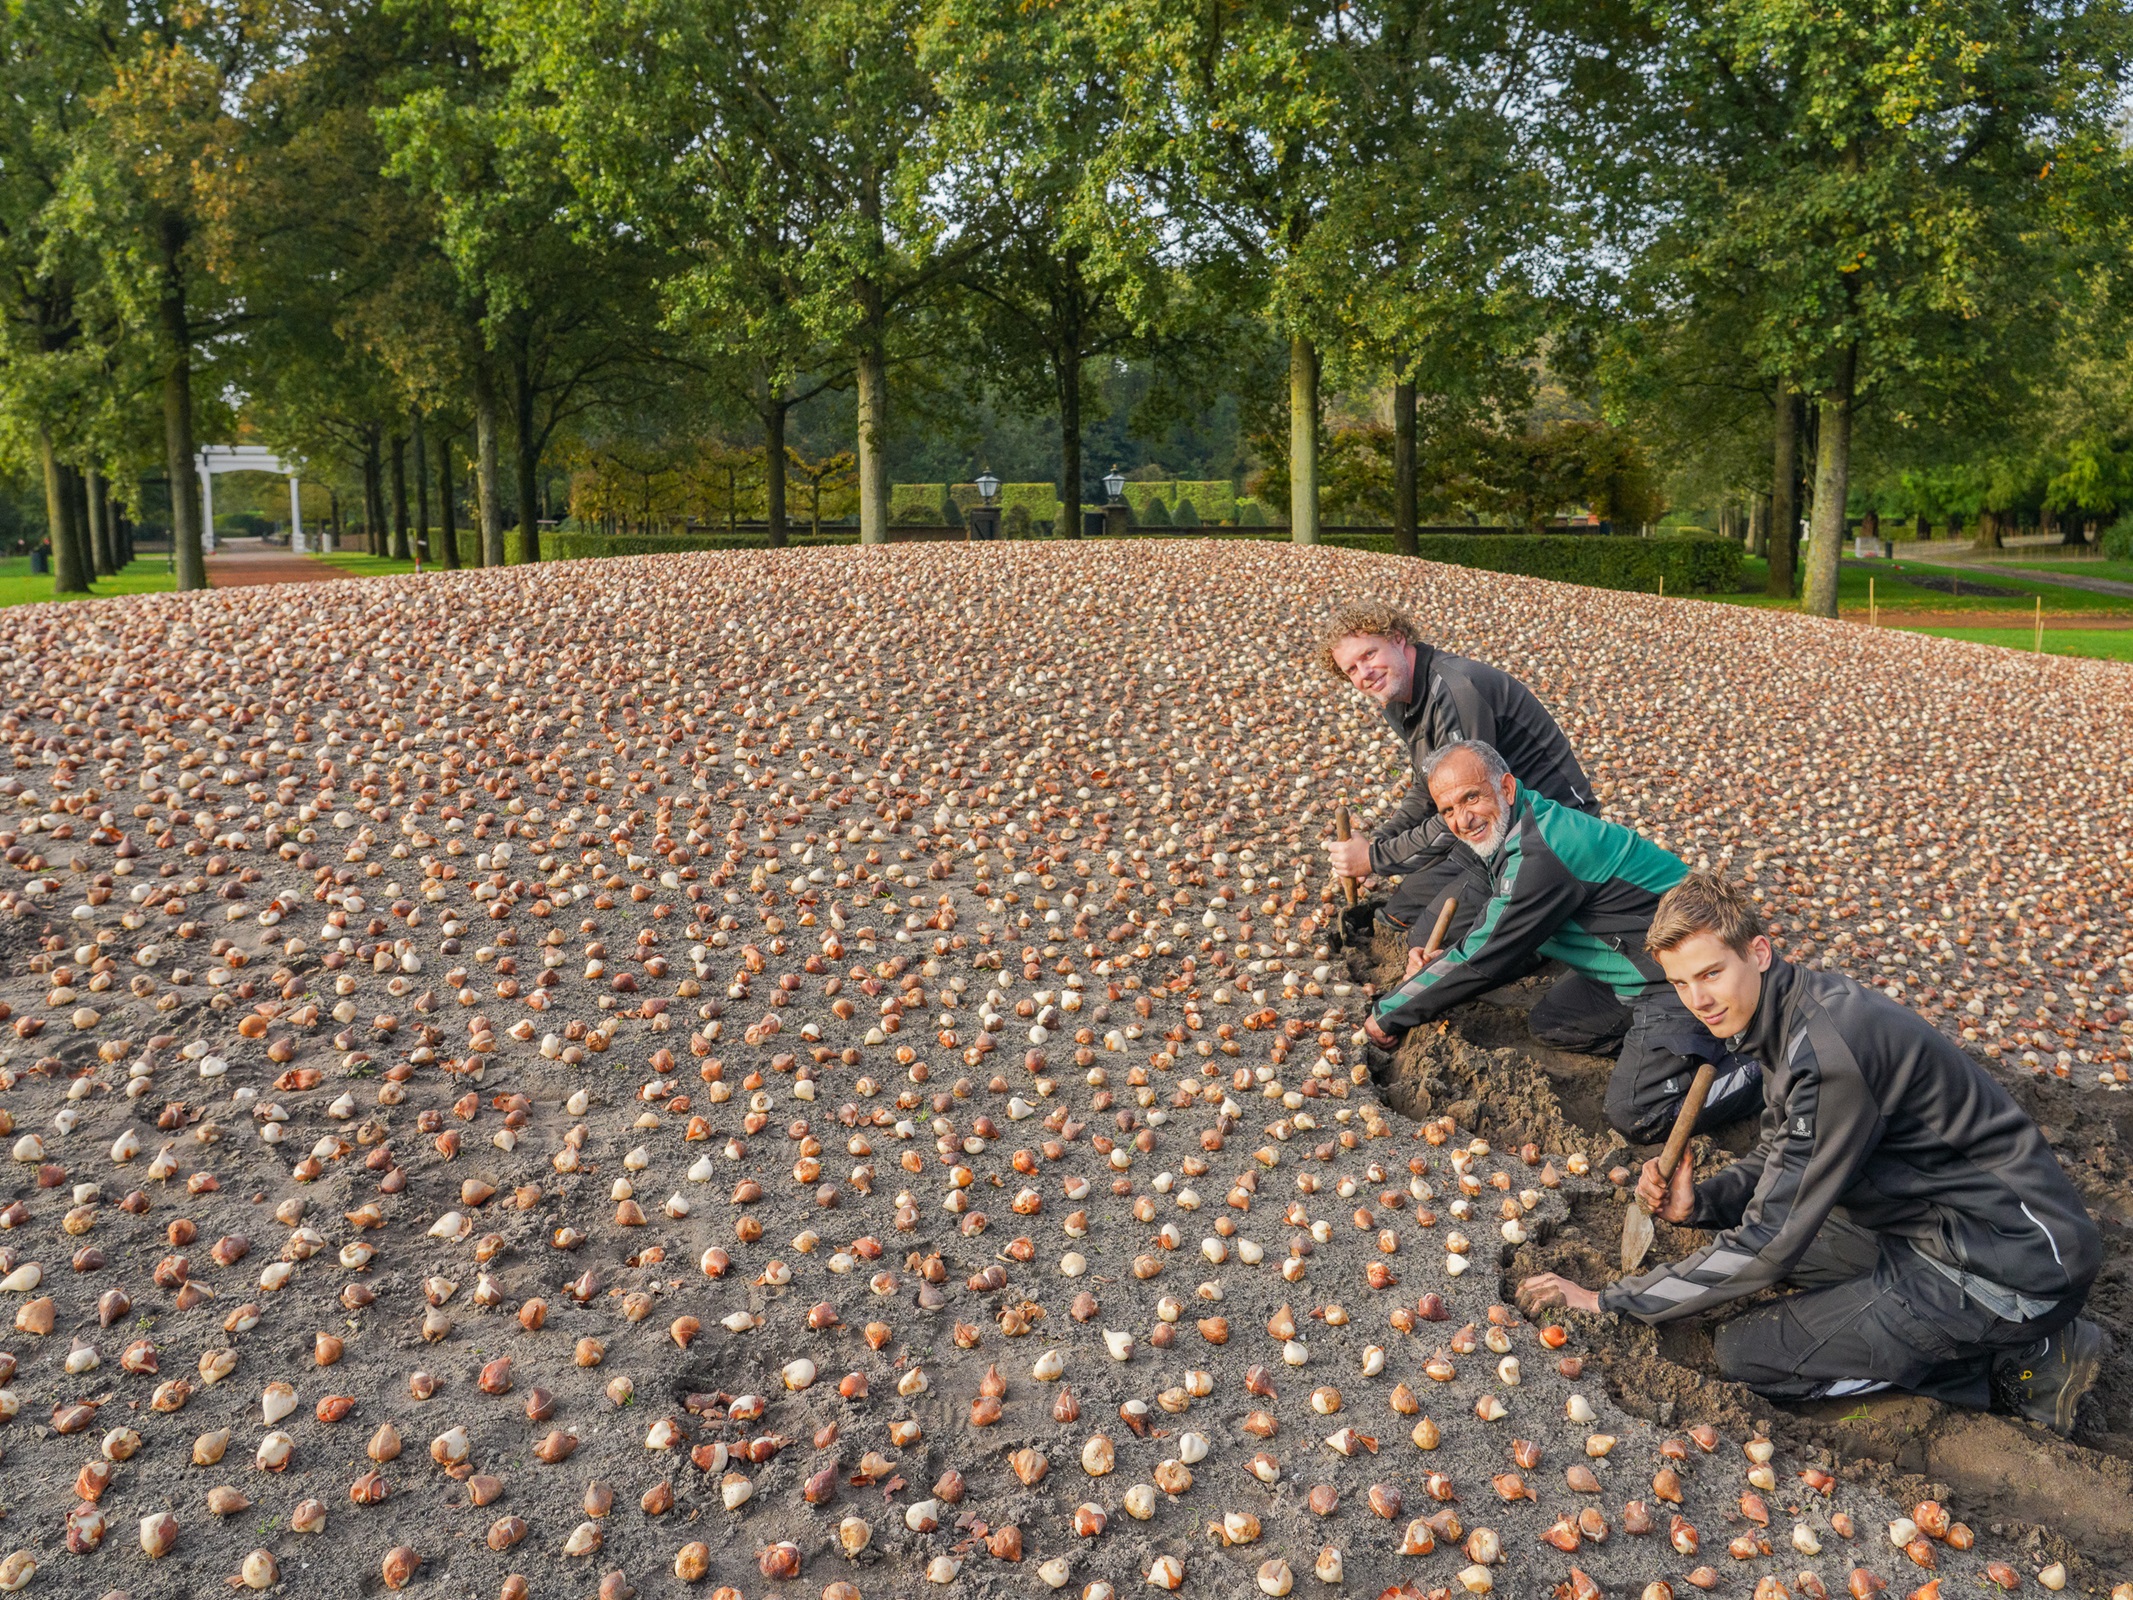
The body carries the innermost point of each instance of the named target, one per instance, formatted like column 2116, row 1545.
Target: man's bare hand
column 1417, row 959
column 1378, row 1036
column 1351, row 857
column 1547, row 1289
column 1670, row 1202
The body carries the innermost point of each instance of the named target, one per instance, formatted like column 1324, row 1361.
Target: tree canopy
column 653, row 264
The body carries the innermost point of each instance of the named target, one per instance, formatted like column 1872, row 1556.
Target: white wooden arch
column 215, row 458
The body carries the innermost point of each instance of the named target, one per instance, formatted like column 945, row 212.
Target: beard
column 1492, row 842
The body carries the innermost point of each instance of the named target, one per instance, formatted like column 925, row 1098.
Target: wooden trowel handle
column 1340, row 832
column 1449, row 910
column 1685, row 1123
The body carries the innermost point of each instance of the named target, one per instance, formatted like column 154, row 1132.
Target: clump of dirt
column 2066, row 1500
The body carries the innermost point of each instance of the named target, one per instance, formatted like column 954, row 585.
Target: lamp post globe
column 1114, row 483
column 988, row 486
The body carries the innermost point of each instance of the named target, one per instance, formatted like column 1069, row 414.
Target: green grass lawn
column 364, row 565
column 1893, row 593
column 2117, row 571
column 19, row 587
column 2101, row 644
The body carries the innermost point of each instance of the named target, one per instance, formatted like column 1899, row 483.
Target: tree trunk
column 1988, row 530
column 188, row 555
column 84, row 542
column 125, row 540
column 1066, row 372
column 486, row 487
column 1303, row 441
column 68, row 577
column 529, row 511
column 103, row 550
column 1406, row 533
column 1759, row 525
column 1784, row 491
column 374, row 535
column 774, row 410
column 422, row 489
column 1833, row 467
column 447, row 511
column 398, row 484
column 1870, row 525
column 873, row 438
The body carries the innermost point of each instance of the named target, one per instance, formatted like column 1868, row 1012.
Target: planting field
column 803, row 1073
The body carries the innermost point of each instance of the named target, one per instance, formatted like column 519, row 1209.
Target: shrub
column 1251, row 513
column 1040, row 501
column 1151, row 513
column 1187, row 515
column 918, row 504
column 1697, row 564
column 1215, row 498
column 2118, row 539
column 1017, row 522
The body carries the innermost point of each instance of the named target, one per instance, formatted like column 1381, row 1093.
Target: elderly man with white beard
column 1568, row 886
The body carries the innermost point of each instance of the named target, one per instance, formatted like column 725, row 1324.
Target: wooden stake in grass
column 1873, row 611
column 2040, row 625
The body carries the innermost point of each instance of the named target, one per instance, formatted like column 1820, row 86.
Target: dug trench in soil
column 2070, row 1499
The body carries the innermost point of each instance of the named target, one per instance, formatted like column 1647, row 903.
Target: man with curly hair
column 1432, row 699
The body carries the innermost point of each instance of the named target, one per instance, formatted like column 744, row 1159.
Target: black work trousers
column 1413, row 905
column 1660, row 1046
column 1871, row 1314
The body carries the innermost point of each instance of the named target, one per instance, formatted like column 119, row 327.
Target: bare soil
column 2071, row 1499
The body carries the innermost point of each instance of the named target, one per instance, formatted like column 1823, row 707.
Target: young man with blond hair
column 1432, row 698
column 1934, row 1243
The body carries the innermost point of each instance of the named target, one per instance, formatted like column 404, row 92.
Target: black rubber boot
column 2044, row 1384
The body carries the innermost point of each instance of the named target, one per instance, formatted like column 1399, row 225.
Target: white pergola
column 216, row 458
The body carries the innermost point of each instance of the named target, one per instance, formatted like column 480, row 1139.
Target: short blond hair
column 1703, row 902
column 1364, row 618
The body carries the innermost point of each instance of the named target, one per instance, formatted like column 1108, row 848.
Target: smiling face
column 1382, row 667
column 1718, row 983
column 1477, row 811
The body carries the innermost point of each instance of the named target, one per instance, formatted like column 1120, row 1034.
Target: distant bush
column 1187, row 514
column 1151, row 513
column 1251, row 513
column 1017, row 521
column 919, row 504
column 1693, row 564
column 1214, row 498
column 244, row 524
column 1039, row 500
column 2118, row 539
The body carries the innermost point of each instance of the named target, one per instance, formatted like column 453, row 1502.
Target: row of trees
column 413, row 241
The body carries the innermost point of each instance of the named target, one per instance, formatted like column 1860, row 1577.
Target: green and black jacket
column 1568, row 885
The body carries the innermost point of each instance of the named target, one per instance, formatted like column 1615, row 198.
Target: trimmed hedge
column 1039, row 502
column 918, row 502
column 1693, row 565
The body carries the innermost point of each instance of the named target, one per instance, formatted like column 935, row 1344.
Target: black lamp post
column 1117, row 514
column 984, row 518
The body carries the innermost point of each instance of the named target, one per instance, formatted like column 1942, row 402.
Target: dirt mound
column 2070, row 1500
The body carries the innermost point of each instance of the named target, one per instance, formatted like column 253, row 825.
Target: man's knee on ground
column 1636, row 1118
column 1734, row 1345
